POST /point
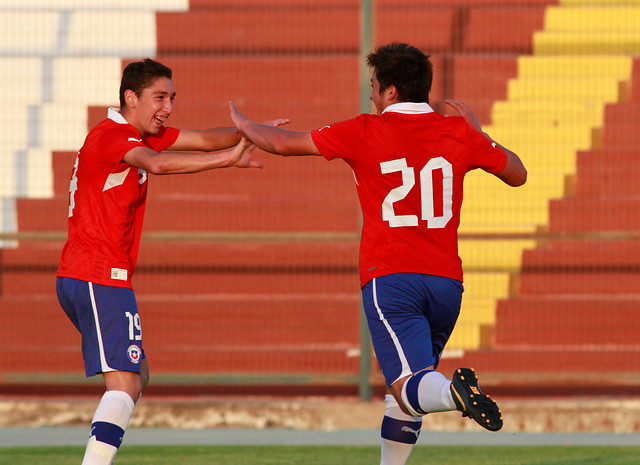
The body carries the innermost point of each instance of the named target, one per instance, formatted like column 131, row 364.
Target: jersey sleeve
column 337, row 139
column 164, row 139
column 485, row 154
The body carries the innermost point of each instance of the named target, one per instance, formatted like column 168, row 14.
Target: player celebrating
column 106, row 206
column 409, row 165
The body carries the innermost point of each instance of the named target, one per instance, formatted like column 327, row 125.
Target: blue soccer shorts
column 107, row 318
column 410, row 317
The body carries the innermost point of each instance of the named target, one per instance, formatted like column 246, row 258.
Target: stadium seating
column 277, row 248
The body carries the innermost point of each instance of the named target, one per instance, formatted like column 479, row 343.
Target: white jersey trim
column 409, row 108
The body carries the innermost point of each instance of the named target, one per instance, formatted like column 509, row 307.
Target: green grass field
column 330, row 455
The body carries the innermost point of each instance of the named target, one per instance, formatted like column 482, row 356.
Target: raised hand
column 464, row 111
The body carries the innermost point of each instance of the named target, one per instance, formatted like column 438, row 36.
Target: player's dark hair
column 141, row 75
column 406, row 68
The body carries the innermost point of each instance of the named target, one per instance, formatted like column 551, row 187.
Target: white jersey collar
column 115, row 115
column 409, row 108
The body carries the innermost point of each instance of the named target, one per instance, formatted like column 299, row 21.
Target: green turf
column 330, row 455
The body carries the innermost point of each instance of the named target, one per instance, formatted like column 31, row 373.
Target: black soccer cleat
column 472, row 402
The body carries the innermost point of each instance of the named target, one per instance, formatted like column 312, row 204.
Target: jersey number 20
column 426, row 193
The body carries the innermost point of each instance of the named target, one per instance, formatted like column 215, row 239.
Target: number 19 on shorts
column 135, row 329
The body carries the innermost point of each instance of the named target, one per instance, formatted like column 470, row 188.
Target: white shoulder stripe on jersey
column 115, row 179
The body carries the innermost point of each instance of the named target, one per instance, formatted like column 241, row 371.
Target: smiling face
column 151, row 109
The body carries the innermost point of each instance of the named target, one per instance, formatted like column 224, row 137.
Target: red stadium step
column 171, row 361
column 547, row 360
column 322, row 29
column 203, row 267
column 571, row 321
column 582, row 255
column 213, row 321
column 635, row 81
column 484, row 35
column 479, row 90
column 599, row 174
column 584, row 282
column 584, row 214
column 311, row 79
column 212, row 213
column 327, row 29
column 62, row 163
column 199, row 334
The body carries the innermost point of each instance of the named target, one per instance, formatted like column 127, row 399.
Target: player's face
column 154, row 106
column 375, row 96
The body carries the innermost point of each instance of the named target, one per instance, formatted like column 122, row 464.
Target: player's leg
column 112, row 346
column 399, row 433
column 408, row 332
column 428, row 390
column 401, row 339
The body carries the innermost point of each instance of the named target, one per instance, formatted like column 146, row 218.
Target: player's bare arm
column 274, row 139
column 180, row 163
column 514, row 173
column 213, row 139
column 208, row 140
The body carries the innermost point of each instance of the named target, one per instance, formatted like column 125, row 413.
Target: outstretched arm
column 514, row 173
column 180, row 162
column 274, row 139
column 212, row 139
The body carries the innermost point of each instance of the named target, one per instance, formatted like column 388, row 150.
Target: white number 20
column 426, row 193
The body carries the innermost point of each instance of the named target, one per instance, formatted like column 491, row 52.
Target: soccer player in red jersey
column 107, row 198
column 409, row 165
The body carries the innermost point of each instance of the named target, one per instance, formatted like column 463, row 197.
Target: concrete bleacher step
column 586, row 282
column 584, row 214
column 545, row 360
column 248, row 267
column 583, row 254
column 478, row 90
column 327, row 28
column 599, row 174
column 523, row 20
column 201, row 333
column 568, row 321
column 202, row 212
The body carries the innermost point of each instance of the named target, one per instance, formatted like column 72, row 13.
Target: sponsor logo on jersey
column 134, row 353
column 133, row 139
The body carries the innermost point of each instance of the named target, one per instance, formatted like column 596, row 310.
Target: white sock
column 399, row 433
column 109, row 423
column 427, row 391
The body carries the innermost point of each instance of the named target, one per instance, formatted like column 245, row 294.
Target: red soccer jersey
column 409, row 169
column 106, row 203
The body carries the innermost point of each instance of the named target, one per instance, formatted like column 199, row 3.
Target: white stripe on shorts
column 406, row 370
column 103, row 359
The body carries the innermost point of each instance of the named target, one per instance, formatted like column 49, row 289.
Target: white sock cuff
column 405, row 400
column 394, row 411
column 115, row 407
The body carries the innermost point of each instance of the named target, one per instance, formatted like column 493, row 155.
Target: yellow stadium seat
column 536, row 113
column 482, row 255
column 28, row 32
column 87, row 80
column 39, row 176
column 590, row 89
column 568, row 66
column 586, row 43
column 112, row 32
column 592, row 20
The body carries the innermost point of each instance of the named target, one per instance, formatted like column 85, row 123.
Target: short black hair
column 405, row 67
column 141, row 75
